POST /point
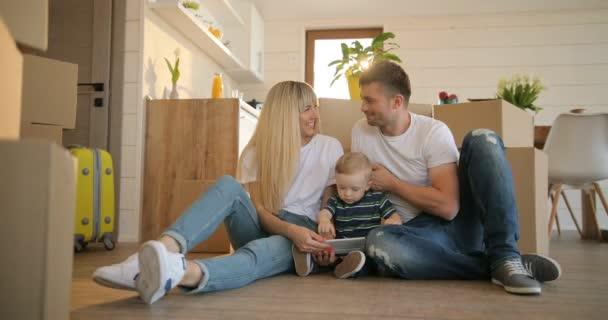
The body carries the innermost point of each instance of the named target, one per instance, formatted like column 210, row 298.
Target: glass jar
column 217, row 91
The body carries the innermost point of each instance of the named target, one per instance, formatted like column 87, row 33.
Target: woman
column 287, row 168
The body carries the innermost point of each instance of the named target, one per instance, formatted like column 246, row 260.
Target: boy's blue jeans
column 257, row 255
column 483, row 234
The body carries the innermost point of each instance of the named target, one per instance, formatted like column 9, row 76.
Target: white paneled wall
column 468, row 54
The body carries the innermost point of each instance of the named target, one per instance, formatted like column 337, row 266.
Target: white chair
column 577, row 147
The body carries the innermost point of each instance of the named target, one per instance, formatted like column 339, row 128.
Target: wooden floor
column 581, row 293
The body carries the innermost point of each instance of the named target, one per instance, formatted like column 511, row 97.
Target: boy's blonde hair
column 354, row 162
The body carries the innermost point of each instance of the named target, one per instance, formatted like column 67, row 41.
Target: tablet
column 346, row 245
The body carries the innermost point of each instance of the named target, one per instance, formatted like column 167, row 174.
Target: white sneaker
column 160, row 271
column 350, row 265
column 118, row 276
column 302, row 261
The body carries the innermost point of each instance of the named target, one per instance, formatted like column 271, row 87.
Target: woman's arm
column 304, row 239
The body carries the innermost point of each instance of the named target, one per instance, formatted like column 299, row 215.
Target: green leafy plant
column 174, row 69
column 189, row 4
column 357, row 58
column 521, row 91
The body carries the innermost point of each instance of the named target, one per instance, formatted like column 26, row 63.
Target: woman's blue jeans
column 257, row 254
column 482, row 235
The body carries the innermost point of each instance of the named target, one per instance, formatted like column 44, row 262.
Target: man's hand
column 325, row 258
column 306, row 240
column 326, row 229
column 394, row 219
column 382, row 179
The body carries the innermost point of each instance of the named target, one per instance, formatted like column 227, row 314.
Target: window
column 322, row 47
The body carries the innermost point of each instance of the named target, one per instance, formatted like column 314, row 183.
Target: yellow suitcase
column 94, row 198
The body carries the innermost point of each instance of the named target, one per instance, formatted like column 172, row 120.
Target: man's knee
column 482, row 140
column 384, row 247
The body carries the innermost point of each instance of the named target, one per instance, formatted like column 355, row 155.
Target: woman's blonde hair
column 276, row 141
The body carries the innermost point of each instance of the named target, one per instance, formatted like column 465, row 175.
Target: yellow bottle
column 217, row 91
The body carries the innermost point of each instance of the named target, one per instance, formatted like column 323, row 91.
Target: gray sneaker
column 512, row 275
column 542, row 268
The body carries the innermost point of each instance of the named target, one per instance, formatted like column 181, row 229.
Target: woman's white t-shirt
column 427, row 143
column 315, row 172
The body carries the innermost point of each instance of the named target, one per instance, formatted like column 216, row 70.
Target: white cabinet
column 249, row 44
column 248, row 120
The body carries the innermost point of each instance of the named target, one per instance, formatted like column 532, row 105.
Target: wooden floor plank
column 581, row 293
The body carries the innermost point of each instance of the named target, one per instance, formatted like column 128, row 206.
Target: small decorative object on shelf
column 191, row 4
column 217, row 91
column 216, row 32
column 521, row 91
column 174, row 70
column 445, row 98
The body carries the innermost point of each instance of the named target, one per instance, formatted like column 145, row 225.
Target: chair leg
column 559, row 228
column 578, row 228
column 558, row 190
column 594, row 216
column 601, row 194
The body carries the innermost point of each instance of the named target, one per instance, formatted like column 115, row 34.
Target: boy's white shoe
column 159, row 271
column 118, row 276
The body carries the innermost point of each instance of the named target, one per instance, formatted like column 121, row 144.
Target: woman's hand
column 326, row 229
column 394, row 219
column 305, row 239
column 325, row 258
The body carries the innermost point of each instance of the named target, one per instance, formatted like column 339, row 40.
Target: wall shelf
column 191, row 27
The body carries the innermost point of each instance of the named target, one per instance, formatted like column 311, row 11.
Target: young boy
column 355, row 211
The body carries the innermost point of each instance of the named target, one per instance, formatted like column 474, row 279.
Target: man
column 460, row 220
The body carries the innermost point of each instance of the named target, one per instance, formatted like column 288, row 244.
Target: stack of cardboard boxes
column 515, row 126
column 37, row 188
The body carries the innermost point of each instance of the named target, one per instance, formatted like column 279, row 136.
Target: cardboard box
column 531, row 180
column 338, row 117
column 28, row 21
column 186, row 192
column 514, row 125
column 42, row 132
column 11, row 64
column 50, row 89
column 37, row 201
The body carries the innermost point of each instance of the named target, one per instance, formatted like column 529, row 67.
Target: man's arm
column 305, row 239
column 440, row 199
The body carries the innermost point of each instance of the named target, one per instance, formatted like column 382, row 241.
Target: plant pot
column 353, row 87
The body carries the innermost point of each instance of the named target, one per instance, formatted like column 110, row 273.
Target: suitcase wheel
column 80, row 245
column 108, row 243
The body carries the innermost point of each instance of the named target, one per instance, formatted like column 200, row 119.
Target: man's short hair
column 353, row 162
column 390, row 75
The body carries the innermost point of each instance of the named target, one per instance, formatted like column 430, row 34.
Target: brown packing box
column 49, row 91
column 28, row 21
column 11, row 64
column 338, row 117
column 37, row 204
column 43, row 132
column 514, row 125
column 186, row 192
column 530, row 177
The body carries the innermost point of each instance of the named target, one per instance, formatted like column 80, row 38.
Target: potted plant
column 357, row 58
column 174, row 70
column 521, row 91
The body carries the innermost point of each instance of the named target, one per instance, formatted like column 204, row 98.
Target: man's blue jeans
column 257, row 255
column 483, row 233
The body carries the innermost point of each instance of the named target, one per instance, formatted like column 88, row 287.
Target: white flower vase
column 174, row 94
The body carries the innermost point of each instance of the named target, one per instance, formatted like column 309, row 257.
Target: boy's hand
column 394, row 219
column 325, row 258
column 326, row 229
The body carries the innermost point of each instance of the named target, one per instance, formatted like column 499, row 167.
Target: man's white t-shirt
column 315, row 172
column 427, row 143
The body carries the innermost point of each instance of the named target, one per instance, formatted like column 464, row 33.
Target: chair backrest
column 577, row 147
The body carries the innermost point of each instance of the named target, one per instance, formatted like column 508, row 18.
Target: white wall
column 468, row 54
column 148, row 40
